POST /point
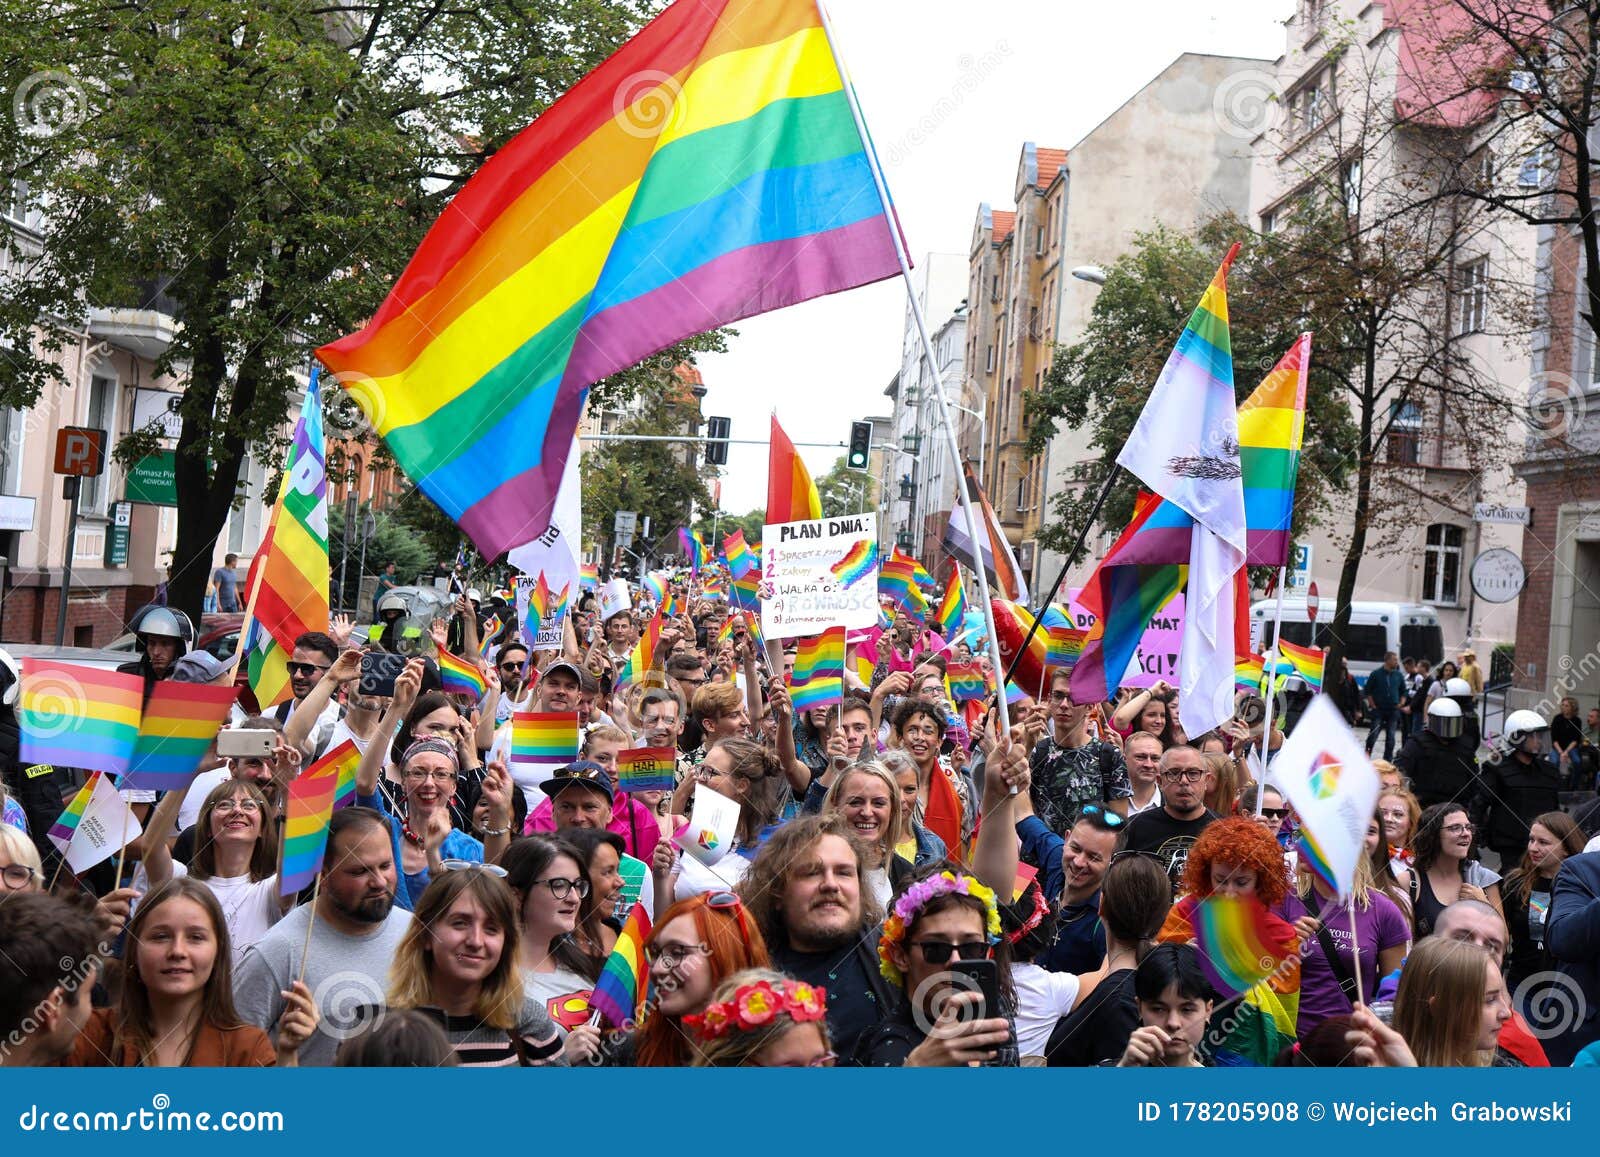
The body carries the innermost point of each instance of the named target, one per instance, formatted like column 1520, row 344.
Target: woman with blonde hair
column 1400, row 813
column 1224, row 791
column 458, row 960
column 762, row 1019
column 866, row 797
column 1451, row 1004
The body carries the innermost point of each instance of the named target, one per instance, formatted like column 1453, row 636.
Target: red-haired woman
column 1238, row 857
column 697, row 944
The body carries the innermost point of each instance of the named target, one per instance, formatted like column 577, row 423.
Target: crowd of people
column 910, row 882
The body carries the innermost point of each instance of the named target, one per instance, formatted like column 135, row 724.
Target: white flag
column 713, row 822
column 106, row 826
column 1333, row 787
column 555, row 552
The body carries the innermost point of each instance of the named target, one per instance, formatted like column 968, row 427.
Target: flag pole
column 1061, row 575
column 311, row 922
column 927, row 351
column 1355, row 945
column 1271, row 670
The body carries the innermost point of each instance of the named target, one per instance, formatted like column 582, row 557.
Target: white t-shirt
column 878, row 881
column 1155, row 802
column 1043, row 998
column 249, row 908
column 341, row 731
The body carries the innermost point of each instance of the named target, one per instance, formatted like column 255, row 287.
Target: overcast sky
column 1004, row 72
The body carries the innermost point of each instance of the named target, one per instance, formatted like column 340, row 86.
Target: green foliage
column 846, row 491
column 713, row 528
column 1102, row 382
column 271, row 167
column 393, row 540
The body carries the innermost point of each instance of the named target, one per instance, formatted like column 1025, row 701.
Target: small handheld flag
column 967, row 682
column 618, row 995
column 647, row 769
column 818, row 677
column 343, row 760
column 952, row 609
column 179, row 723
column 96, row 825
column 305, row 824
column 543, row 740
column 1240, row 943
column 460, row 677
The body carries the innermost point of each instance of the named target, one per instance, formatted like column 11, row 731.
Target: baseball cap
column 566, row 665
column 198, row 667
column 584, row 771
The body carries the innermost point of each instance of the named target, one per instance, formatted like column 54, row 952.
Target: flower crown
column 916, row 897
column 757, row 1005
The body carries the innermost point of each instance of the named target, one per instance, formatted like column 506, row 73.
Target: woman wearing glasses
column 550, row 879
column 944, row 916
column 424, row 832
column 1442, row 873
column 458, row 961
column 942, row 793
column 762, row 1019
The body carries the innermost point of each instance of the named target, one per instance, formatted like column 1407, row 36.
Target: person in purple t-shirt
column 1380, row 931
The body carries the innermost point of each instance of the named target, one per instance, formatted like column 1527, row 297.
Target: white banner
column 819, row 574
column 1333, row 787
column 555, row 552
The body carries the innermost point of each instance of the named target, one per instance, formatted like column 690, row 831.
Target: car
column 104, row 658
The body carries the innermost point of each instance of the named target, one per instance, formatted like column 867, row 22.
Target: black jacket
column 1572, row 935
column 1511, row 794
column 1440, row 770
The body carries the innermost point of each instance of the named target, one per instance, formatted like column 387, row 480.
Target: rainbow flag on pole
column 897, row 580
column 709, row 170
column 1063, row 642
column 460, row 677
column 1307, row 662
column 312, row 796
column 618, row 995
column 67, row 823
column 95, row 826
column 343, row 760
column 647, row 769
column 818, row 676
column 644, row 653
column 738, row 554
column 966, row 682
column 543, row 740
column 791, row 494
column 490, row 630
column 1272, row 424
column 952, row 609
column 72, row 715
column 179, row 723
column 286, row 592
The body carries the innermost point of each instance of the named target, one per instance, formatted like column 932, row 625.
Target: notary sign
column 819, row 574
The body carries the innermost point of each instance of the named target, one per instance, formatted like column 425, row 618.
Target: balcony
column 144, row 325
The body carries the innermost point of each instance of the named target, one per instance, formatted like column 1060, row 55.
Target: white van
column 1410, row 630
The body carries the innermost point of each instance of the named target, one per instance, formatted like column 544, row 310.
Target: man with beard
column 1070, row 872
column 1168, row 832
column 361, row 712
column 314, row 654
column 270, row 776
column 354, row 938
column 509, row 663
column 806, row 893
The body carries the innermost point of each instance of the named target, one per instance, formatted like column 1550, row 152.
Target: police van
column 1410, row 630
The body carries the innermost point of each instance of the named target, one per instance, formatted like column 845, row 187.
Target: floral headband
column 757, row 1005
column 916, row 897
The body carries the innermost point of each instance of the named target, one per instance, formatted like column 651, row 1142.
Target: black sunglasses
column 938, row 952
column 303, row 668
column 1275, row 813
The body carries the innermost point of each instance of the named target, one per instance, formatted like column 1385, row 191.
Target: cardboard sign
column 809, row 580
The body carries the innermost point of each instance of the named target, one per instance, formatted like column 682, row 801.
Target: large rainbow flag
column 710, row 170
column 791, row 494
column 818, row 676
column 1011, row 626
column 1272, row 426
column 286, row 592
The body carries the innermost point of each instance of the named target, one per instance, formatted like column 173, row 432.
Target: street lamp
column 1091, row 273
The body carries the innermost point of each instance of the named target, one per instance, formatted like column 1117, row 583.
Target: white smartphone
column 247, row 743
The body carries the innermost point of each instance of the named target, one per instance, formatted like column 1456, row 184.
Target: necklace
column 405, row 830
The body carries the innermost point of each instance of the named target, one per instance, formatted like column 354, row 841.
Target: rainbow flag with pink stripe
column 966, row 682
column 543, row 740
column 818, row 676
column 952, row 609
column 897, row 580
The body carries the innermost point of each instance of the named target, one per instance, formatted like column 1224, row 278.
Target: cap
column 198, row 667
column 566, row 665
column 584, row 771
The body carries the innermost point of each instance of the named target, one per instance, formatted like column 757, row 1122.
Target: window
column 988, row 363
column 1269, row 221
column 1441, row 564
column 1535, row 167
column 1483, row 170
column 1033, row 323
column 1522, row 80
column 1038, row 240
column 1472, row 300
column 102, row 416
column 994, row 288
column 1350, row 179
column 15, row 203
column 13, row 425
column 1405, row 435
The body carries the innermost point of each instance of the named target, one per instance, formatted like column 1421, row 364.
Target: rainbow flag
column 72, row 715
column 1014, row 694
column 966, row 682
column 1124, row 593
column 741, row 561
column 644, row 653
column 542, row 740
column 180, row 721
column 885, row 619
column 952, row 609
column 543, row 604
column 671, row 605
column 312, row 795
column 1272, row 424
column 460, row 677
column 1248, row 672
column 588, row 575
column 618, row 995
column 647, row 769
column 791, row 494
column 725, row 632
column 1011, row 624
column 746, row 591
column 1240, row 942
column 1307, row 662
column 818, row 676
column 897, row 580
column 490, row 630
column 864, row 664
column 655, row 585
column 695, row 549
column 708, row 171
column 343, row 760
column 857, row 563
column 711, row 587
column 1063, row 644
column 287, row 588
column 66, row 824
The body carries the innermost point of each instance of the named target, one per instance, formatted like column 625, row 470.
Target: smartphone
column 247, row 743
column 981, row 976
column 378, row 672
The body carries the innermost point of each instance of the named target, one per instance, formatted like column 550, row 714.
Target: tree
column 846, row 491
column 1366, row 251
column 270, row 168
column 714, row 526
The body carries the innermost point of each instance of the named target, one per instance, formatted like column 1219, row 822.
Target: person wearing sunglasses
column 314, row 652
column 1171, row 830
column 1443, row 870
column 1071, row 871
column 511, row 664
column 357, row 721
column 458, row 962
column 943, row 916
column 550, row 879
column 762, row 1019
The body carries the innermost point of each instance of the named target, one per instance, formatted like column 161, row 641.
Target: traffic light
column 860, row 445
column 717, row 441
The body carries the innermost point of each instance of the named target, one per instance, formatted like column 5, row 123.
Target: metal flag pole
column 927, row 352
column 1271, row 669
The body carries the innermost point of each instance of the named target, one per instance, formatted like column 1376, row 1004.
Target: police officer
column 1518, row 787
column 1441, row 759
